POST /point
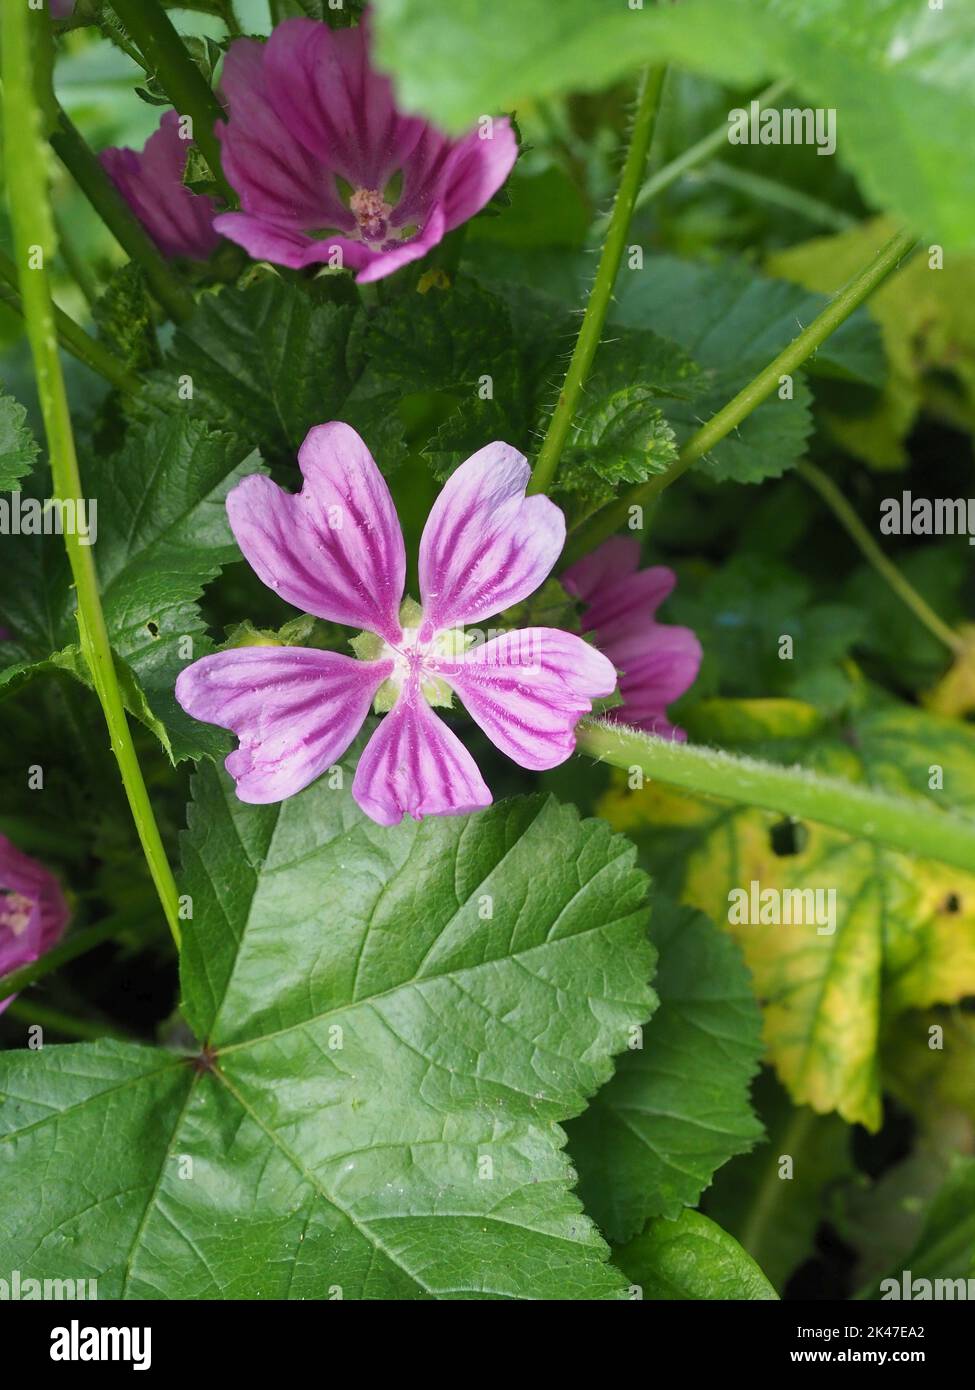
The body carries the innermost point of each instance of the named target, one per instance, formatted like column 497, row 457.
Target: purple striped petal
column 180, row 222
column 528, row 689
column 486, row 545
column 415, row 766
column 658, row 664
column 619, row 594
column 276, row 177
column 335, row 549
column 294, row 709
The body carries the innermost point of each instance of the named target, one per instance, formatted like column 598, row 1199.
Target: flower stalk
column 20, row 31
column 594, row 319
column 912, row 827
column 184, row 84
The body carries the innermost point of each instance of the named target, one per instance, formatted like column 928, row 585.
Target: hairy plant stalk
column 180, row 78
column 597, row 307
column 911, row 826
column 21, row 29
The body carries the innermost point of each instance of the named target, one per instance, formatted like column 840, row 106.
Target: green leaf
column 903, row 930
column 775, row 1209
column 743, row 609
column 898, row 74
column 267, row 363
column 677, row 1107
column 385, row 1011
column 691, row 1258
column 162, row 536
column 18, row 447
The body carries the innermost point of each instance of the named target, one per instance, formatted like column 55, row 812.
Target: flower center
column 414, row 661
column 371, row 213
column 15, row 911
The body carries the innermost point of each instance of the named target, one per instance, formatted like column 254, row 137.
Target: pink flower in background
column 336, row 550
column 323, row 161
column 61, row 9
column 658, row 663
column 179, row 222
column 33, row 912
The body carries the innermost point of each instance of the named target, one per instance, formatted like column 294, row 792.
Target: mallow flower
column 33, row 912
column 328, row 170
column 336, row 550
column 657, row 662
column 179, row 221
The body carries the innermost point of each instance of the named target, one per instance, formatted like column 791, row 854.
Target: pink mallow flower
column 33, row 912
column 61, row 9
column 326, row 167
column 180, row 222
column 336, row 550
column 657, row 662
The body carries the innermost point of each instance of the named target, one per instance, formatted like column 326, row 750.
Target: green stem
column 83, row 1028
column 773, row 1191
column 730, row 416
column 72, row 336
column 179, row 77
column 771, row 191
column 911, row 826
column 34, row 240
column 78, row 943
column 75, row 264
column 112, row 208
column 709, row 145
column 594, row 319
column 905, row 591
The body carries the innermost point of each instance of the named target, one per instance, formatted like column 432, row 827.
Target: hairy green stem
column 34, row 240
column 730, row 416
column 594, row 319
column 71, row 335
column 695, row 155
column 904, row 590
column 75, row 263
column 180, row 78
column 77, row 943
column 911, row 826
column 114, row 211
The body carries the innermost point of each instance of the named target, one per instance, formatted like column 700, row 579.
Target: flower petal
column 325, row 93
column 179, row 221
column 414, row 765
column 528, row 689
column 335, row 549
column 294, row 709
column 486, row 545
column 658, row 664
column 277, row 178
column 475, row 170
column 620, row 596
column 49, row 913
column 266, row 240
